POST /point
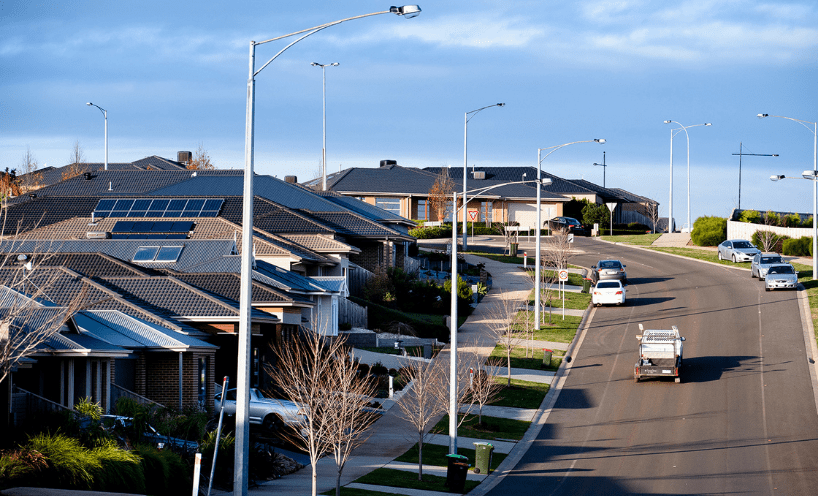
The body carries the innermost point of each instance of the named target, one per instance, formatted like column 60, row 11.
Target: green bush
column 464, row 293
column 168, row 473
column 709, row 231
column 792, row 220
column 751, row 216
column 596, row 214
column 19, row 467
column 772, row 219
column 800, row 247
column 636, row 226
column 70, row 465
column 119, row 471
column 444, row 231
column 807, row 222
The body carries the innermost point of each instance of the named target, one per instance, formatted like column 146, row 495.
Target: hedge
column 709, row 231
column 800, row 247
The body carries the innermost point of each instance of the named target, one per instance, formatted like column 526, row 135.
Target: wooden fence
column 351, row 313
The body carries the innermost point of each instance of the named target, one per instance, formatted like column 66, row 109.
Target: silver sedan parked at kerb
column 781, row 276
column 737, row 250
column 761, row 262
column 609, row 269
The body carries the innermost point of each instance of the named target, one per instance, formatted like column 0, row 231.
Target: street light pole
column 604, row 168
column 684, row 128
column 324, row 149
column 538, row 241
column 740, row 154
column 105, row 115
column 466, row 120
column 814, row 178
column 242, row 438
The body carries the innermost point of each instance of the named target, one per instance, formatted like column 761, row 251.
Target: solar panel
column 123, row 226
column 144, row 226
column 162, row 226
column 106, row 205
column 183, row 226
column 168, row 254
column 169, row 208
column 145, row 254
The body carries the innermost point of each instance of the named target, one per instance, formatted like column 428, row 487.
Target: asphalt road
column 743, row 420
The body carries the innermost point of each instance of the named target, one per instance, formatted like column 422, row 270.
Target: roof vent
column 184, row 157
column 479, row 174
column 291, row 179
column 388, row 163
column 88, row 176
column 96, row 235
column 32, row 195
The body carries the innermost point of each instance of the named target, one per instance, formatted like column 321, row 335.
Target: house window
column 422, row 212
column 485, row 212
column 256, row 368
column 388, row 204
column 202, row 381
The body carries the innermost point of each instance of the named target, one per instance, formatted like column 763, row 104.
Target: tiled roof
column 633, row 197
column 229, row 286
column 369, row 211
column 321, row 243
column 352, row 225
column 390, row 179
column 92, row 264
column 506, row 174
column 607, row 194
column 336, row 284
column 40, row 212
column 126, row 331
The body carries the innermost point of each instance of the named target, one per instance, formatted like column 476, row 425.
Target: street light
column 324, row 149
column 453, row 318
column 538, row 255
column 740, row 154
column 812, row 176
column 672, row 134
column 604, row 168
column 104, row 114
column 466, row 120
column 242, row 437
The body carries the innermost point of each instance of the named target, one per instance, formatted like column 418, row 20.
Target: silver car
column 781, row 276
column 609, row 269
column 270, row 413
column 761, row 262
column 737, row 250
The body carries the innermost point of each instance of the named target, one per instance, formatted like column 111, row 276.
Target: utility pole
column 740, row 154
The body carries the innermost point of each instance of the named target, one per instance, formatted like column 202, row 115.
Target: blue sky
column 173, row 75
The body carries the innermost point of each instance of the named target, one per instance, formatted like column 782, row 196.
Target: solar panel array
column 164, row 207
column 142, row 229
column 157, row 254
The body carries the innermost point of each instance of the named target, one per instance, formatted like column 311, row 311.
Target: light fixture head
column 334, row 64
column 315, row 63
column 546, row 181
column 407, row 11
column 776, row 177
column 600, row 140
column 809, row 174
column 668, row 122
column 708, row 124
column 761, row 116
column 89, row 104
column 775, row 154
column 501, row 104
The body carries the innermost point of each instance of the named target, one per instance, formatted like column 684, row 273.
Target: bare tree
column 557, row 251
column 467, row 362
column 29, row 178
column 502, row 315
column 76, row 163
column 766, row 237
column 315, row 372
column 422, row 403
column 440, row 194
column 652, row 209
column 200, row 160
column 483, row 387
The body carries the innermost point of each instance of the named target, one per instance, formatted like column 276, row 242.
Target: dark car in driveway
column 569, row 225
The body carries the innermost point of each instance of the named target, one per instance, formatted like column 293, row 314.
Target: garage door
column 526, row 213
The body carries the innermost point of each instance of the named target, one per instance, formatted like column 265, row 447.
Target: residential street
column 743, row 420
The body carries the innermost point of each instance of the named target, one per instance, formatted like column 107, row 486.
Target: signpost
column 473, row 217
column 563, row 277
column 611, row 206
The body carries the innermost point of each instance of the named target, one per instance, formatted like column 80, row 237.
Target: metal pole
column 740, row 145
column 689, row 228
column 465, row 173
column 537, row 249
column 106, row 139
column 242, row 451
column 453, row 339
column 814, row 201
column 324, row 149
column 225, row 382
column 670, row 202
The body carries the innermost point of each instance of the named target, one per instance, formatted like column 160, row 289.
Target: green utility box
column 546, row 357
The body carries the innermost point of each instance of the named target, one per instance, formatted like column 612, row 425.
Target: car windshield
column 742, row 244
column 770, row 260
column 782, row 269
column 609, row 264
column 572, row 221
column 608, row 284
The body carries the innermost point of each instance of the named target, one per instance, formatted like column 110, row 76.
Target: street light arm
column 802, row 122
column 481, row 108
column 104, row 112
column 557, row 147
column 317, row 28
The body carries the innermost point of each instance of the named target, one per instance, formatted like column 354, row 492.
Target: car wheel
column 734, row 259
column 272, row 423
column 752, row 274
column 766, row 288
column 720, row 257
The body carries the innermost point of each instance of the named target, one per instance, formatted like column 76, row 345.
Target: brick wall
column 370, row 257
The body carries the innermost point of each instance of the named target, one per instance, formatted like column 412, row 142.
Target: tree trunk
column 338, row 483
column 314, row 479
column 420, row 457
column 508, row 369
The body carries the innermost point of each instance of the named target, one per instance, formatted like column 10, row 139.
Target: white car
column 781, row 276
column 270, row 413
column 737, row 250
column 609, row 292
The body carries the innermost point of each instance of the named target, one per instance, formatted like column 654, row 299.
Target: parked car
column 608, row 293
column 124, row 425
column 568, row 224
column 781, row 276
column 761, row 262
column 270, row 413
column 609, row 269
column 737, row 250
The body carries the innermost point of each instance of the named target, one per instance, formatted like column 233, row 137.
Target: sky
column 173, row 76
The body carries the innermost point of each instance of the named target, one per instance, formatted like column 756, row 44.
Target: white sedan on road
column 610, row 292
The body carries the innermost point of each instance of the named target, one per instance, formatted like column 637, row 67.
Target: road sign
column 571, row 238
column 473, row 215
column 563, row 275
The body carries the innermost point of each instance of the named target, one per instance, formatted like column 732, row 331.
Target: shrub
column 807, row 222
column 751, row 216
column 709, row 231
column 636, row 226
column 772, row 219
column 378, row 369
column 431, row 232
column 19, row 466
column 119, row 470
column 800, row 247
column 792, row 220
column 757, row 240
column 168, row 473
column 70, row 466
column 464, row 294
column 88, row 408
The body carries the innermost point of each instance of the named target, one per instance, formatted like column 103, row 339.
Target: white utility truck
column 660, row 354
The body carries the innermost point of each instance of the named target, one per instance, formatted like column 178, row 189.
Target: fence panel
column 352, row 313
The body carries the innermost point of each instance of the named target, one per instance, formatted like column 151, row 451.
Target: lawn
column 573, row 301
column 634, row 239
column 698, row 254
column 521, row 394
column 434, row 454
column 559, row 330
column 400, row 478
column 520, row 361
column 492, row 428
column 348, row 491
